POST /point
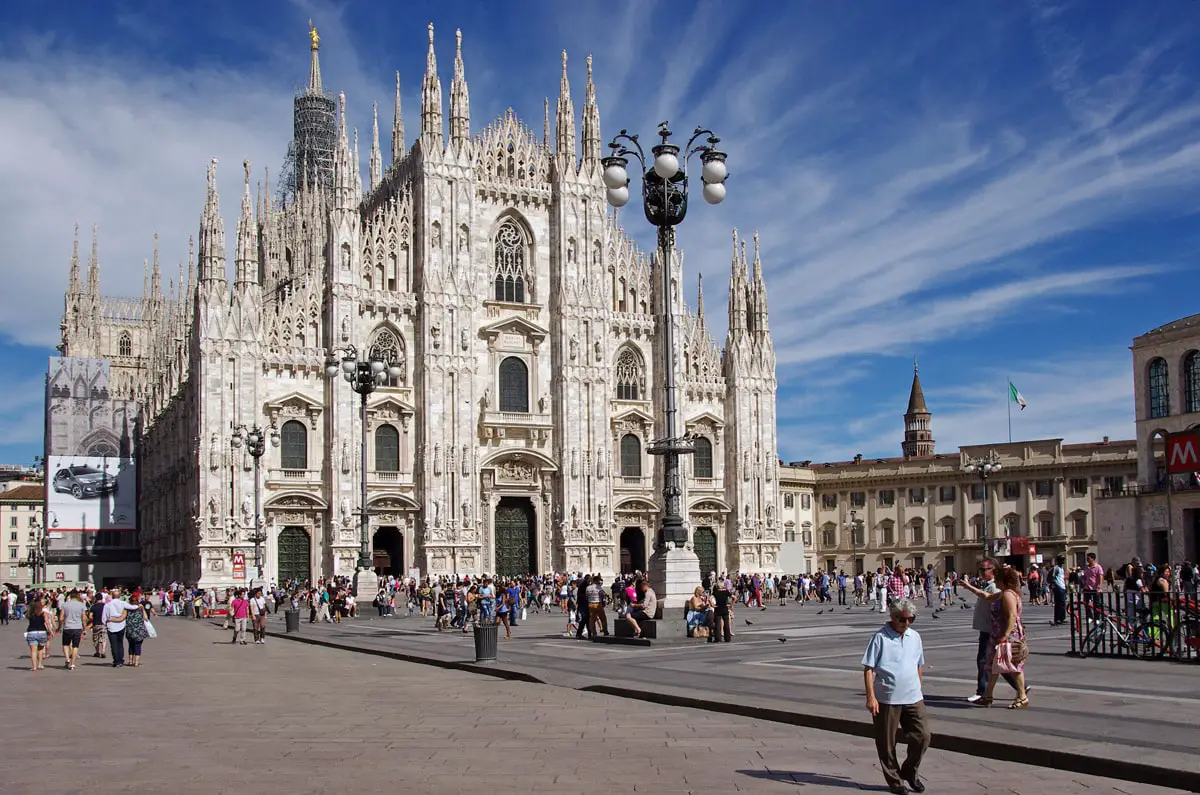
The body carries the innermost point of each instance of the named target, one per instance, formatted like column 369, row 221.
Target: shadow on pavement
column 949, row 702
column 800, row 778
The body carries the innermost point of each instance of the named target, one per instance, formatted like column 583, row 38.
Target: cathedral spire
column 76, row 282
column 156, row 273
column 591, row 120
column 546, row 125
column 314, row 67
column 737, row 294
column 758, row 292
column 565, row 120
column 397, row 128
column 918, row 430
column 93, row 277
column 431, row 102
column 376, row 165
column 145, row 279
column 212, row 232
column 343, row 163
column 246, row 262
column 700, row 296
column 460, row 99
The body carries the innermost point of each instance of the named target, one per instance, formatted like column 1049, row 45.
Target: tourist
column 645, row 607
column 597, row 620
column 37, row 635
column 258, row 616
column 73, row 614
column 892, row 669
column 114, row 623
column 988, row 592
column 135, row 629
column 96, row 622
column 239, row 609
column 1007, row 627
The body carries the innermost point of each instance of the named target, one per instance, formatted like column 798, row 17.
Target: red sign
column 239, row 565
column 58, row 575
column 1020, row 545
column 1183, row 452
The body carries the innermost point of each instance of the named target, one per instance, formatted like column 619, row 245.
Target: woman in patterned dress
column 1008, row 628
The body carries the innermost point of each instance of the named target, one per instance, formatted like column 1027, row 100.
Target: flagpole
column 1009, row 401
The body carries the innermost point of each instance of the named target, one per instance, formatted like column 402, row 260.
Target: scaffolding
column 310, row 154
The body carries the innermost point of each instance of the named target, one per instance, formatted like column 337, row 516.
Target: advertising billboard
column 90, row 493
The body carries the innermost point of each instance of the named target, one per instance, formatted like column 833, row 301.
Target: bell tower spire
column 431, row 102
column 918, row 431
column 460, row 99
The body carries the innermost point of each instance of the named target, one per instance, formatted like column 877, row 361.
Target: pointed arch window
column 631, row 456
column 125, row 344
column 293, row 445
column 1159, row 388
column 702, row 458
column 514, row 386
column 630, row 375
column 387, row 449
column 1191, row 382
column 388, row 346
column 509, row 271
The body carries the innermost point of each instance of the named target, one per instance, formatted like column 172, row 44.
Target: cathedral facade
column 526, row 325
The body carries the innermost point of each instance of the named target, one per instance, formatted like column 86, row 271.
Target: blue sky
column 1000, row 189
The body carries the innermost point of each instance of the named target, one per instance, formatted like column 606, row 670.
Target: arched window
column 1159, row 388
column 387, row 449
column 514, row 386
column 509, row 270
column 1191, row 382
column 631, row 456
column 702, row 462
column 125, row 345
column 293, row 445
column 631, row 375
column 388, row 347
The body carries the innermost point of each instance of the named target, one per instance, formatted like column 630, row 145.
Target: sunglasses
column 906, row 619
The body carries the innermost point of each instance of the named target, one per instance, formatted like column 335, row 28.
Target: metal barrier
column 1133, row 624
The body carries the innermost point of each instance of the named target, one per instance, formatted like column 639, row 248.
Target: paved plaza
column 203, row 716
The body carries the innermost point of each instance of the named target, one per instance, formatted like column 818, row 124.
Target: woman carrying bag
column 1008, row 639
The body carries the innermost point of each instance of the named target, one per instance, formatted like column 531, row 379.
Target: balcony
column 389, row 479
column 634, row 482
column 294, row 477
column 506, row 424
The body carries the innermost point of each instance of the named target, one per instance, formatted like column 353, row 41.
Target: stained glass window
column 631, row 375
column 511, row 247
column 387, row 346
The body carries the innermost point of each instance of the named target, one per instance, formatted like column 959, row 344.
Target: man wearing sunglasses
column 892, row 668
column 981, row 622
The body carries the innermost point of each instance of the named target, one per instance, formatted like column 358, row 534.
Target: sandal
column 983, row 701
column 1020, row 703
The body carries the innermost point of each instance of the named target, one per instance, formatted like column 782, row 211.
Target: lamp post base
column 674, row 575
column 366, row 584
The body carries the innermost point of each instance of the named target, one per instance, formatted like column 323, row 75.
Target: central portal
column 516, row 542
column 388, row 547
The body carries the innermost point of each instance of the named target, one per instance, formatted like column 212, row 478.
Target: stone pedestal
column 366, row 585
column 674, row 575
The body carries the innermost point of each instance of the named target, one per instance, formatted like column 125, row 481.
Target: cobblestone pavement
column 203, row 716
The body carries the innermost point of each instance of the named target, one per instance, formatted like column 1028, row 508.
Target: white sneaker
column 972, row 699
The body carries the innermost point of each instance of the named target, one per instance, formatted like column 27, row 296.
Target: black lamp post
column 984, row 467
column 256, row 445
column 364, row 375
column 853, row 526
column 35, row 556
column 665, row 201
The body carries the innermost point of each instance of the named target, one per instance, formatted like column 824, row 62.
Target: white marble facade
column 526, row 321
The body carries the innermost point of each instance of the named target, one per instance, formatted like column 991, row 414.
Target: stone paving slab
column 205, row 717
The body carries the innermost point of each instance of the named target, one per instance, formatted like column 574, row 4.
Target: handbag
column 1020, row 652
column 151, row 632
column 1002, row 662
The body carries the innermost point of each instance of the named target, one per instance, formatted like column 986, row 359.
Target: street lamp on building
column 256, row 444
column 665, row 202
column 853, row 526
column 365, row 375
column 984, row 467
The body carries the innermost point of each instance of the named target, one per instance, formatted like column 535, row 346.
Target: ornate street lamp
column 256, row 444
column 665, row 203
column 984, row 467
column 35, row 556
column 364, row 375
column 853, row 526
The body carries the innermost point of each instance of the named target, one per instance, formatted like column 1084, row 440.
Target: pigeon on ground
column 749, row 623
column 783, row 640
column 819, row 612
column 935, row 615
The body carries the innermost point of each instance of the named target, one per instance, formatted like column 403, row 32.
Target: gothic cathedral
column 525, row 323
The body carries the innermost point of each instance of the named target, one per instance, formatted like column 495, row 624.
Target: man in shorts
column 96, row 621
column 73, row 611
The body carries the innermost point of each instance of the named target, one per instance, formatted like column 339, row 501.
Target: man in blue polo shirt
column 892, row 666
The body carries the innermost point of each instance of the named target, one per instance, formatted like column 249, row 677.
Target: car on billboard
column 84, row 482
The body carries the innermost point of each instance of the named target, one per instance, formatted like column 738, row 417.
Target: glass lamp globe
column 395, row 370
column 618, row 197
column 377, row 366
column 615, row 177
column 666, row 165
column 714, row 192
column 236, row 441
column 348, row 364
column 331, row 369
column 714, row 171
column 349, row 377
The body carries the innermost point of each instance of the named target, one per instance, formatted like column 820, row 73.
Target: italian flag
column 1016, row 396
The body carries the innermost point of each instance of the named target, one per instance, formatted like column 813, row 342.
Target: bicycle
column 1145, row 640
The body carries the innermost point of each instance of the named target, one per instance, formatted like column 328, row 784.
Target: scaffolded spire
column 591, row 120
column 431, row 101
column 460, row 99
column 397, row 128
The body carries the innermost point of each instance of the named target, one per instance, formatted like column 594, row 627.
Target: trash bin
column 487, row 636
column 291, row 620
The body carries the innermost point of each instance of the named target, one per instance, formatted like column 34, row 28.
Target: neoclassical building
column 526, row 326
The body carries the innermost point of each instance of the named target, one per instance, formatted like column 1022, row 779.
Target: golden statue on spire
column 312, row 35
